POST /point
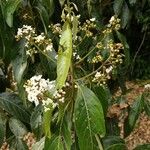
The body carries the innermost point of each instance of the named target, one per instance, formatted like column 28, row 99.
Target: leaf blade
column 64, row 55
column 12, row 104
column 89, row 118
column 9, row 11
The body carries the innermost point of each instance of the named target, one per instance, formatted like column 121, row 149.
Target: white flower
column 112, row 19
column 41, row 90
column 62, row 99
column 108, row 70
column 39, row 38
column 78, row 57
column 97, row 75
column 92, row 19
column 49, row 47
column 74, row 54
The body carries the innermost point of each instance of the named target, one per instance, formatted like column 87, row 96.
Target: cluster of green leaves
column 81, row 123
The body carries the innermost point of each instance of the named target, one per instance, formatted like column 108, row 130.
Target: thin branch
column 142, row 42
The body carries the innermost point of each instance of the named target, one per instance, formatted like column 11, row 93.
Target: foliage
column 54, row 70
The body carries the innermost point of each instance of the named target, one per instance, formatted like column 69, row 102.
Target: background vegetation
column 23, row 125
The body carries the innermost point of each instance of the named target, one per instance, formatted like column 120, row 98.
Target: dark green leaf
column 49, row 4
column 49, row 66
column 147, row 107
column 66, row 133
column 89, row 118
column 13, row 105
column 17, row 127
column 43, row 15
column 134, row 113
column 64, row 55
column 55, row 143
column 125, row 16
column 19, row 63
column 111, row 140
column 9, row 11
column 118, row 4
column 36, row 118
column 103, row 96
column 143, row 147
column 36, row 121
column 118, row 146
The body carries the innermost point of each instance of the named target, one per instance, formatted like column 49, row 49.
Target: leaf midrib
column 87, row 112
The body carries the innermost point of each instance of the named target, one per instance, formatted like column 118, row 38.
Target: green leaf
column 47, row 116
column 64, row 55
column 89, row 118
column 19, row 63
column 142, row 147
column 103, row 95
column 75, row 27
column 134, row 113
column 17, row 127
column 118, row 4
column 66, row 133
column 39, row 145
column 43, row 15
column 118, row 146
column 147, row 106
column 49, row 4
column 36, row 118
column 108, row 141
column 9, row 10
column 13, row 105
column 36, row 121
column 55, row 143
column 21, row 145
column 146, row 97
column 125, row 16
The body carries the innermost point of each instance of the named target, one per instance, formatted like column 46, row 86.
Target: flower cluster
column 56, row 28
column 101, row 77
column 33, row 40
column 36, row 88
column 43, row 91
column 26, row 31
column 114, row 24
column 97, row 58
column 87, row 26
column 115, row 58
